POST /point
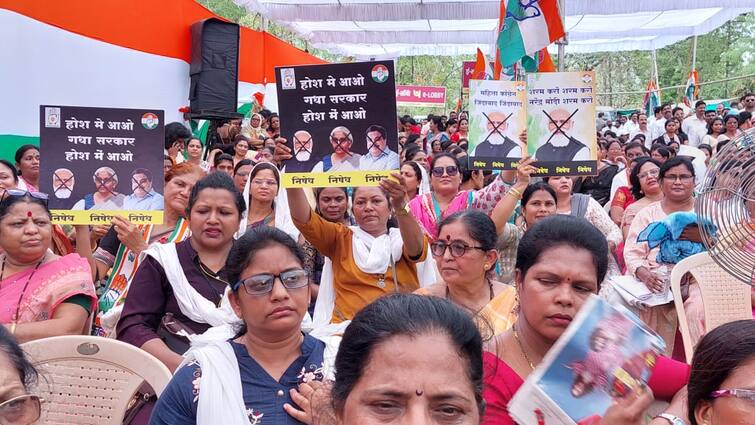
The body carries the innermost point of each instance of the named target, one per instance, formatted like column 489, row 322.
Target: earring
column 486, row 267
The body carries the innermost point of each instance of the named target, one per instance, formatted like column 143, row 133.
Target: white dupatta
column 282, row 215
column 221, row 398
column 191, row 303
column 372, row 255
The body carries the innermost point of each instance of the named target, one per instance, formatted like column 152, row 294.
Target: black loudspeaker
column 214, row 69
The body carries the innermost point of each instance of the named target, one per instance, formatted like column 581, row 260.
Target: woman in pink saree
column 446, row 198
column 41, row 294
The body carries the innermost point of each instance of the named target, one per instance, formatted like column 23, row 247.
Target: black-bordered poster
column 340, row 122
column 561, row 122
column 100, row 162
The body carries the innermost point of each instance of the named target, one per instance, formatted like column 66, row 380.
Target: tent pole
column 694, row 52
column 655, row 68
column 562, row 42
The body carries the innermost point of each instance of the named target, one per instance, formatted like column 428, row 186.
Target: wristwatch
column 673, row 420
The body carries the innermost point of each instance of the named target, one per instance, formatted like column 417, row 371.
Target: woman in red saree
column 560, row 262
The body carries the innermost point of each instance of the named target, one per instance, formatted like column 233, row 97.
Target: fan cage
column 727, row 200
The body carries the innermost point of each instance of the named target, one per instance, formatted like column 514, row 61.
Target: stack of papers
column 636, row 293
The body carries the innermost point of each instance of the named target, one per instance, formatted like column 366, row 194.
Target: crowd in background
column 499, row 263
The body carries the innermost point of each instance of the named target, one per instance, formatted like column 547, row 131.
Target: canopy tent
column 387, row 29
column 128, row 54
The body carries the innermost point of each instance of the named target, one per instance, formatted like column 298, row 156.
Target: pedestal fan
column 727, row 199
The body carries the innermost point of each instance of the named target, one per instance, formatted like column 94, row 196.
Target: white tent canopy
column 392, row 28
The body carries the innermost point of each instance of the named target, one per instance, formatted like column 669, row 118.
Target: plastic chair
column 91, row 380
column 725, row 298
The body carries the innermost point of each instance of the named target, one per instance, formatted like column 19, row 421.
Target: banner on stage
column 561, row 123
column 340, row 122
column 421, row 96
column 97, row 163
column 497, row 115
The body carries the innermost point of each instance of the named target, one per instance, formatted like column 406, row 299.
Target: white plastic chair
column 91, row 380
column 725, row 298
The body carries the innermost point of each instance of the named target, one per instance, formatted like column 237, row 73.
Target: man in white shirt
column 695, row 126
column 659, row 126
column 633, row 124
column 610, row 126
column 642, row 128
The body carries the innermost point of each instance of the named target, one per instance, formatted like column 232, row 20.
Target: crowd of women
column 427, row 299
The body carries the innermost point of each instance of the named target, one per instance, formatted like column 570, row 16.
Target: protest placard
column 497, row 115
column 605, row 354
column 561, row 123
column 100, row 162
column 340, row 122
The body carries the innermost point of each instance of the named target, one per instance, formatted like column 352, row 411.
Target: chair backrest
column 725, row 298
column 91, row 380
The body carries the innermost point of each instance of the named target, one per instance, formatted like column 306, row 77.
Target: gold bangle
column 514, row 191
column 403, row 211
column 13, row 328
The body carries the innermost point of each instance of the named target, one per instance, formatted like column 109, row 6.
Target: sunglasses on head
column 451, row 170
column 18, row 193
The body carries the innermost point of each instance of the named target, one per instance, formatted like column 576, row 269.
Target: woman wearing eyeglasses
column 178, row 288
column 41, row 293
column 249, row 378
column 677, row 178
column 465, row 253
column 367, row 260
column 18, row 376
column 720, row 387
column 446, row 198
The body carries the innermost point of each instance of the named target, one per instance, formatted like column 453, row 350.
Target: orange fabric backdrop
column 161, row 28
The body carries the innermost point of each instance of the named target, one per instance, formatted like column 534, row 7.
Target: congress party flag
column 692, row 90
column 652, row 98
column 529, row 26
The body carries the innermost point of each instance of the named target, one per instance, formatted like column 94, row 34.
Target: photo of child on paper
column 608, row 356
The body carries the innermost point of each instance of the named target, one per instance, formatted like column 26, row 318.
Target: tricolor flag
column 482, row 70
column 652, row 98
column 528, row 27
column 692, row 90
column 539, row 62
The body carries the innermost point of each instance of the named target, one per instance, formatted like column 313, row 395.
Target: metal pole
column 694, row 52
column 563, row 41
column 655, row 68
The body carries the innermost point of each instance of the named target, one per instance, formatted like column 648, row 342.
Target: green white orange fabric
column 692, row 90
column 126, row 53
column 652, row 98
column 529, row 26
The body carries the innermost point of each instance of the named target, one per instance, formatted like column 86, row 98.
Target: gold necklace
column 521, row 348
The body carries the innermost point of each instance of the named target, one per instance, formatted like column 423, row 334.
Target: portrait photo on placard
column 561, row 122
column 102, row 159
column 338, row 118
